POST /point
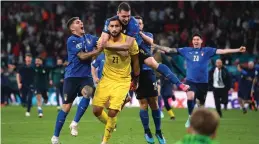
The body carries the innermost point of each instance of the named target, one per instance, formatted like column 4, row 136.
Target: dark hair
column 70, row 21
column 124, row 6
column 138, row 17
column 114, row 19
column 196, row 34
column 28, row 55
column 39, row 58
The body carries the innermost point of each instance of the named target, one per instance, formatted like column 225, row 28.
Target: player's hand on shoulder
column 242, row 49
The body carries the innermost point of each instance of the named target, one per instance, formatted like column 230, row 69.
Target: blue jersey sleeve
column 96, row 62
column 149, row 34
column 94, row 40
column 73, row 46
column 210, row 51
column 132, row 28
column 182, row 51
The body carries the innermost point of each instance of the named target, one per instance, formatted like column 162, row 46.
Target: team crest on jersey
column 44, row 71
column 202, row 54
column 79, row 45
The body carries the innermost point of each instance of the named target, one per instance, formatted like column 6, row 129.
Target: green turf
column 235, row 128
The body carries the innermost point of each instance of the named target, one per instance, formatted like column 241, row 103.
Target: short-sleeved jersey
column 41, row 79
column 27, row 74
column 197, row 62
column 75, row 44
column 147, row 48
column 116, row 67
column 98, row 63
column 131, row 29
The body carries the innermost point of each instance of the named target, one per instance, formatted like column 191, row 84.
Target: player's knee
column 153, row 105
column 112, row 113
column 190, row 95
column 87, row 91
column 66, row 107
column 143, row 106
column 151, row 62
column 97, row 111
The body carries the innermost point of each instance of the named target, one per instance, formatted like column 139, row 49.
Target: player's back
column 118, row 67
column 75, row 44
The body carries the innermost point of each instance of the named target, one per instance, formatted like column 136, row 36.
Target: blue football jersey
column 147, row 48
column 98, row 64
column 131, row 29
column 197, row 62
column 75, row 44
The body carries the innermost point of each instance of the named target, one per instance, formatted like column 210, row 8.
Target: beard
column 115, row 34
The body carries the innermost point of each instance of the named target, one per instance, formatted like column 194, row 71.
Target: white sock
column 74, row 123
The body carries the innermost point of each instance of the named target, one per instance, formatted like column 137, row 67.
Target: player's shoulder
column 72, row 39
column 186, row 48
column 133, row 21
column 91, row 36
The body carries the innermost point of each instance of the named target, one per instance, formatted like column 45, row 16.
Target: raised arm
column 227, row 51
column 163, row 48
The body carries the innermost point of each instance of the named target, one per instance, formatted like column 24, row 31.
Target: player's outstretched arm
column 227, row 51
column 87, row 55
column 163, row 48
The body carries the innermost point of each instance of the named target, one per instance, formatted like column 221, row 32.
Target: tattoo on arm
column 165, row 49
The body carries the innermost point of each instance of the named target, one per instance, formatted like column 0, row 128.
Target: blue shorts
column 73, row 86
column 200, row 90
column 147, row 85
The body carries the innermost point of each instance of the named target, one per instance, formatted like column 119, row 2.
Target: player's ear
column 118, row 13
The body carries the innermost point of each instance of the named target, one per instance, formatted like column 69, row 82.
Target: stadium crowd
column 39, row 28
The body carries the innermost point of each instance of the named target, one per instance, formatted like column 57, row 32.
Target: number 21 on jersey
column 115, row 59
column 195, row 58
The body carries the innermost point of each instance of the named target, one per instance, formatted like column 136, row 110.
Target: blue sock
column 166, row 72
column 157, row 119
column 61, row 118
column 143, row 114
column 190, row 104
column 167, row 106
column 160, row 103
column 81, row 108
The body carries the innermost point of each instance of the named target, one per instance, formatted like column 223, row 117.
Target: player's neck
column 79, row 35
column 116, row 39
